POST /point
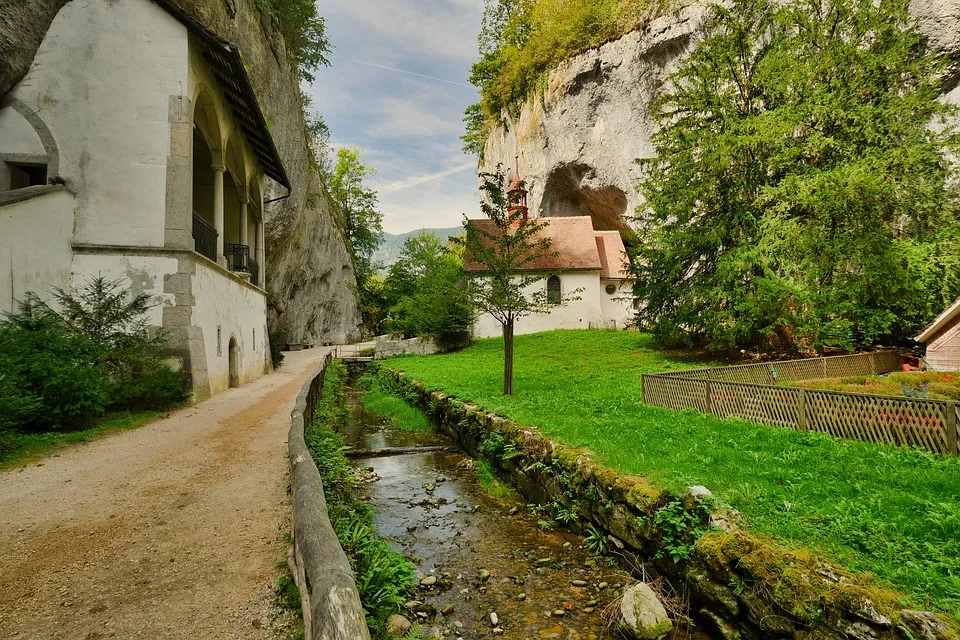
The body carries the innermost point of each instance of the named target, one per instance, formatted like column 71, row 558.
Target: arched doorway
column 234, row 355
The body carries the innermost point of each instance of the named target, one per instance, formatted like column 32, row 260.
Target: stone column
column 261, row 255
column 243, row 222
column 218, row 170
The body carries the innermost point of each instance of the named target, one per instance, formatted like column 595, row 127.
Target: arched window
column 553, row 290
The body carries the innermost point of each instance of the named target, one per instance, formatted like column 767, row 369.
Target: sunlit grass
column 402, row 416
column 892, row 512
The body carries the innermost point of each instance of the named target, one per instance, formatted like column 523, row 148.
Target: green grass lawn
column 20, row 449
column 892, row 512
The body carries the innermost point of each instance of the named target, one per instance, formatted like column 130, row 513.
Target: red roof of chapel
column 577, row 245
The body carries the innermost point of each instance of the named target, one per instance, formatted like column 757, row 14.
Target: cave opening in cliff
column 573, row 190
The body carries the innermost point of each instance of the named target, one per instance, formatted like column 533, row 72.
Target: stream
column 486, row 569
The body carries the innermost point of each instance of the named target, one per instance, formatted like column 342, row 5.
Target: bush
column 277, row 340
column 66, row 369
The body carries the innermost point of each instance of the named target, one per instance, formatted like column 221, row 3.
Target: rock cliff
column 578, row 140
column 309, row 272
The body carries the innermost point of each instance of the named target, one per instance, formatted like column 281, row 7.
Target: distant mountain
column 389, row 251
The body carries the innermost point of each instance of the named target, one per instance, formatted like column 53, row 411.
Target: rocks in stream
column 398, row 625
column 642, row 616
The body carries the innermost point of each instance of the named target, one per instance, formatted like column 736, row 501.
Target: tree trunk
column 508, row 358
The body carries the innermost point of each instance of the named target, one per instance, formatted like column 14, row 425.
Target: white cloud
column 417, row 180
column 439, row 29
column 411, row 117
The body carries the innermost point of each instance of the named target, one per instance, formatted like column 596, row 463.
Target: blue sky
column 406, row 125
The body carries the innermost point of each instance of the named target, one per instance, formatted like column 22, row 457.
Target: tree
column 358, row 215
column 304, row 31
column 799, row 194
column 503, row 252
column 426, row 291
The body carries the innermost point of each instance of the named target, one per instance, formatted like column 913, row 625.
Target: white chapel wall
column 239, row 311
column 35, row 254
column 578, row 314
column 101, row 82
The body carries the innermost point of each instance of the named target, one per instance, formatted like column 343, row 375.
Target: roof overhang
column 952, row 312
column 227, row 66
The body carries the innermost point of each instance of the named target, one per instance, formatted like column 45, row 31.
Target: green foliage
column 596, row 540
column 425, row 291
column 383, row 576
column 490, row 484
column 680, row 528
column 277, row 342
column 402, row 415
column 67, row 369
column 304, row 31
column 287, row 594
column 522, row 40
column 891, row 512
column 357, row 213
column 799, row 193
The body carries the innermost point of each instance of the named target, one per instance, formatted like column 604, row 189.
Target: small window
column 27, row 175
column 553, row 290
column 611, row 289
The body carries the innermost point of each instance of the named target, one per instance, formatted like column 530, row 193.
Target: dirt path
column 170, row 531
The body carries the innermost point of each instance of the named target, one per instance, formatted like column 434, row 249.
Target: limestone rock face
column 309, row 272
column 579, row 140
column 642, row 617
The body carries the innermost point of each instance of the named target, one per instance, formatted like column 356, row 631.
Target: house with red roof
column 593, row 262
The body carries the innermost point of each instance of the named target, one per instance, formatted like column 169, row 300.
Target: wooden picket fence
column 753, row 392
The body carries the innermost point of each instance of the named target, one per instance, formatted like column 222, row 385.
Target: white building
column 134, row 148
column 592, row 261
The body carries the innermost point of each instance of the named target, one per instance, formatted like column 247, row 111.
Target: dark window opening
column 553, row 290
column 27, row 175
column 611, row 289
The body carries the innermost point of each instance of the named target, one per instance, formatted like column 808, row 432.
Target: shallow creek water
column 487, row 556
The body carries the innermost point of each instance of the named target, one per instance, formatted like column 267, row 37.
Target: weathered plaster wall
column 105, row 101
column 35, row 238
column 309, row 271
column 225, row 309
column 616, row 308
column 578, row 141
column 584, row 313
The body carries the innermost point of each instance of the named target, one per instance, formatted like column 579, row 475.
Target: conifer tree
column 800, row 195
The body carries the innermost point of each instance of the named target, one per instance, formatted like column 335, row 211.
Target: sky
column 396, row 89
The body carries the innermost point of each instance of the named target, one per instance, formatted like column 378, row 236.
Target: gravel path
column 175, row 530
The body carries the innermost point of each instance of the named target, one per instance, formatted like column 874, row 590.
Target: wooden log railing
column 328, row 592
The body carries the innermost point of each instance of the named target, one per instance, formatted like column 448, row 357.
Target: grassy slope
column 25, row 448
column 891, row 512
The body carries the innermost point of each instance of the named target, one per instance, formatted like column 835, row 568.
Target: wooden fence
column 753, row 392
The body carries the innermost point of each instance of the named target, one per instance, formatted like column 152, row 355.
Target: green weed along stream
column 891, row 512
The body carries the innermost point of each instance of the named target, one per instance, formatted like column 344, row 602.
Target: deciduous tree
column 504, row 285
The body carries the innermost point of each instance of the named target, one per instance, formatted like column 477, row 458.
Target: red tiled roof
column 571, row 238
column 613, row 255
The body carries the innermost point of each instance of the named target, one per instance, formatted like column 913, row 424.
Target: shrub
column 67, row 369
column 277, row 340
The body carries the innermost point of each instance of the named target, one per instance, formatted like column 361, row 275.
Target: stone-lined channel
column 475, row 555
